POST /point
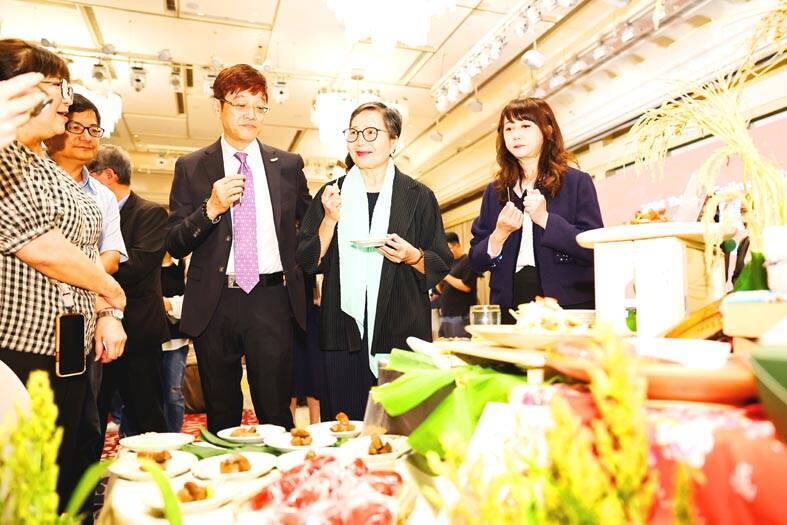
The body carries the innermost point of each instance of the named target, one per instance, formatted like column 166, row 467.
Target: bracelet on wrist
column 205, row 213
column 421, row 256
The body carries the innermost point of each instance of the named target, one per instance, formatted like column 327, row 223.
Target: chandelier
column 386, row 22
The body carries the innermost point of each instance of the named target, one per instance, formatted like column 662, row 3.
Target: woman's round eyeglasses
column 369, row 134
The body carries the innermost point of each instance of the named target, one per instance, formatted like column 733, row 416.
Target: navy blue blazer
column 565, row 269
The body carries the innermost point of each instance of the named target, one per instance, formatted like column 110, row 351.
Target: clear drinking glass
column 485, row 314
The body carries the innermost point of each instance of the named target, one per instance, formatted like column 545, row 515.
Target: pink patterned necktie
column 244, row 232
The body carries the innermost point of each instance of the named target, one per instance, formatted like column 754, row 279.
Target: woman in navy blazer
column 535, row 192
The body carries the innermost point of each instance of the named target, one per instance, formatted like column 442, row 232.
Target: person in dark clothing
column 307, row 359
column 460, row 292
column 376, row 292
column 174, row 351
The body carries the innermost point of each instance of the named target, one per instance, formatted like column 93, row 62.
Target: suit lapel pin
column 274, row 159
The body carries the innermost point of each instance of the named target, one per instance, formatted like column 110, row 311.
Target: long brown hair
column 554, row 159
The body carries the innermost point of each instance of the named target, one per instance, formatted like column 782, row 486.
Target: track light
column 464, row 82
column 165, row 55
column 475, row 105
column 533, row 58
column 627, row 34
column 100, row 72
column 600, row 51
column 281, row 93
column 139, row 78
column 207, row 85
column 577, row 66
column 441, row 104
column 176, row 80
column 452, row 92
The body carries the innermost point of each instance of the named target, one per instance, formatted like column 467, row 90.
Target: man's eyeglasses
column 66, row 89
column 243, row 109
column 76, row 128
column 369, row 134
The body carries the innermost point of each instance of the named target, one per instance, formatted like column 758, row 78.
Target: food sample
column 378, row 446
column 159, row 458
column 235, row 463
column 342, row 423
column 300, row 437
column 324, row 490
column 544, row 315
column 310, row 454
column 192, row 492
column 648, row 216
column 245, row 432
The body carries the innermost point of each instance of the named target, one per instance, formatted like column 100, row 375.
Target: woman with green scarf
column 375, row 294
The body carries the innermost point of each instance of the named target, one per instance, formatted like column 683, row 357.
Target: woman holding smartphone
column 377, row 236
column 532, row 212
column 50, row 276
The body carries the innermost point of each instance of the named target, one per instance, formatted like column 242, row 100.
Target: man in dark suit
column 143, row 225
column 235, row 205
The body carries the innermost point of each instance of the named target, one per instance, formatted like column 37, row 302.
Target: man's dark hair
column 451, row 238
column 80, row 104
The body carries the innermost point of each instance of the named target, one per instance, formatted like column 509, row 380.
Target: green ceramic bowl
column 770, row 369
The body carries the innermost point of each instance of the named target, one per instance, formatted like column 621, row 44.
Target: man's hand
column 226, row 192
column 110, row 339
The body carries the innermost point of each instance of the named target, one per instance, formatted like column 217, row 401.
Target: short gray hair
column 115, row 158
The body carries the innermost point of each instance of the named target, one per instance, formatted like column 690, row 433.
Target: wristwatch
column 117, row 313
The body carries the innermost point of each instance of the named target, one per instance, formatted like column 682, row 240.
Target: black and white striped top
column 36, row 196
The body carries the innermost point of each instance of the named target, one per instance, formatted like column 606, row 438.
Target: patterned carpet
column 191, row 424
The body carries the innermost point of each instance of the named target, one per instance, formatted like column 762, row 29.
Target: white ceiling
column 306, row 46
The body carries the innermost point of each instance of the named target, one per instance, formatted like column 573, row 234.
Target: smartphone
column 70, row 359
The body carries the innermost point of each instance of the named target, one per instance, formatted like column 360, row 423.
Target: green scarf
column 360, row 268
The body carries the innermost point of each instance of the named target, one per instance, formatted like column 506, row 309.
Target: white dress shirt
column 526, row 256
column 268, row 258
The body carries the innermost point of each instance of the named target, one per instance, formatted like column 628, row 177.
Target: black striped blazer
column 403, row 301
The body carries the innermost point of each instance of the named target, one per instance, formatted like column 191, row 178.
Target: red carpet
column 191, row 424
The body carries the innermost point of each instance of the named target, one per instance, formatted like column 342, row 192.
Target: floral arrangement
column 715, row 108
column 589, row 475
column 28, row 468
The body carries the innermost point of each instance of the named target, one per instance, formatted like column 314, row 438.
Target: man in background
column 136, row 375
column 459, row 292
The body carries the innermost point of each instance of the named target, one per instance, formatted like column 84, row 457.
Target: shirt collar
column 252, row 149
column 122, row 201
column 87, row 183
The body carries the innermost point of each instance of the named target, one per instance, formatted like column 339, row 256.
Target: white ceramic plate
column 359, row 448
column 210, row 468
column 262, row 432
column 222, row 493
column 371, row 243
column 292, row 459
column 283, row 442
column 156, row 441
column 325, row 428
column 127, row 465
column 514, row 337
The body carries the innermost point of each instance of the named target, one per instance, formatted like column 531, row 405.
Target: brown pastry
column 244, row 432
column 235, row 463
column 159, row 458
column 192, row 492
column 378, row 446
column 300, row 437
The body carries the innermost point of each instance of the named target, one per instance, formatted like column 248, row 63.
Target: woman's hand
column 397, row 250
column 110, row 339
column 332, row 202
column 536, row 207
column 17, row 101
column 509, row 220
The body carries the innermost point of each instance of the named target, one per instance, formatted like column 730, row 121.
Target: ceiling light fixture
column 533, row 58
column 475, row 105
column 600, row 51
column 100, row 72
column 628, row 33
column 464, row 82
column 176, row 80
column 281, row 93
column 577, row 66
column 138, row 78
column 386, row 22
column 165, row 55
